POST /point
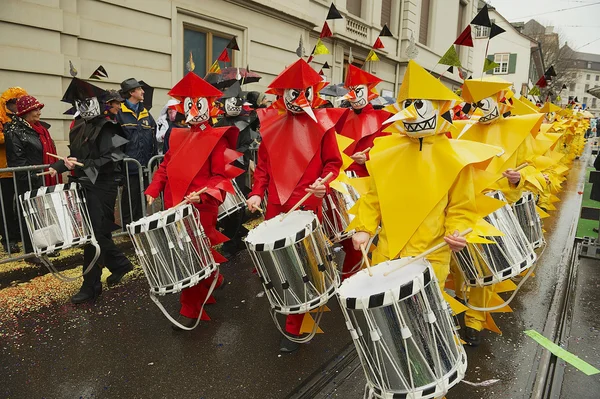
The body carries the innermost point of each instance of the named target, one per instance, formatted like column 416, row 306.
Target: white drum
column 173, row 249
column 336, row 215
column 528, row 218
column 294, row 262
column 232, row 203
column 511, row 254
column 403, row 331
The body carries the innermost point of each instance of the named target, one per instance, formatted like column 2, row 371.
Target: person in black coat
column 595, row 192
column 94, row 141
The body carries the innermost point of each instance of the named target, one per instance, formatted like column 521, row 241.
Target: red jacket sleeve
column 330, row 155
column 217, row 167
column 261, row 177
column 159, row 180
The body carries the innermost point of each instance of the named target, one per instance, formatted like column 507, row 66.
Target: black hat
column 235, row 90
column 80, row 90
column 129, row 84
column 113, row 95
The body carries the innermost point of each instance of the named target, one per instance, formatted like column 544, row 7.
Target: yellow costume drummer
column 422, row 184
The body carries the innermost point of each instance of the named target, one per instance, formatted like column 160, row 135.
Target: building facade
column 587, row 69
column 151, row 40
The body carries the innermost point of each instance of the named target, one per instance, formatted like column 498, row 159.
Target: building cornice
column 277, row 11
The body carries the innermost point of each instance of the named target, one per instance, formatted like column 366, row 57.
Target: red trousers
column 352, row 259
column 192, row 298
column 293, row 322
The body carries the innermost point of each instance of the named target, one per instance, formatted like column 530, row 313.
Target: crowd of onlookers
column 25, row 140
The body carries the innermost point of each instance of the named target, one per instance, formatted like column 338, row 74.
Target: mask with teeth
column 293, row 99
column 196, row 110
column 88, row 108
column 361, row 94
column 233, row 106
column 426, row 122
column 490, row 110
column 550, row 117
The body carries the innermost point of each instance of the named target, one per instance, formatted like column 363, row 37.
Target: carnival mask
column 296, row 100
column 233, row 106
column 88, row 108
column 550, row 117
column 196, row 110
column 425, row 122
column 490, row 110
column 359, row 96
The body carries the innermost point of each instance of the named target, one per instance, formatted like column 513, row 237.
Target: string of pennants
column 223, row 57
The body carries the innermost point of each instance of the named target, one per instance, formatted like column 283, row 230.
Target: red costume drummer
column 298, row 149
column 198, row 158
column 363, row 125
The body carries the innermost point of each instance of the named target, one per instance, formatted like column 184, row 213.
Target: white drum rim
column 289, row 239
column 49, row 190
column 161, row 219
column 397, row 291
column 177, row 287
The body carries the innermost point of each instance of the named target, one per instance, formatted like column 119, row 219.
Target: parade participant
column 362, row 125
column 512, row 134
column 94, row 141
column 234, row 115
column 422, row 184
column 113, row 104
column 298, row 149
column 198, row 158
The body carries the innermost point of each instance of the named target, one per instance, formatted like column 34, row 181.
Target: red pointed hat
column 357, row 76
column 299, row 75
column 193, row 85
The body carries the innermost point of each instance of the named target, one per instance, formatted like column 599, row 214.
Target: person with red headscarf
column 198, row 158
column 298, row 150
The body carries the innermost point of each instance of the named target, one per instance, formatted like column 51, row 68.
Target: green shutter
column 512, row 63
column 491, row 58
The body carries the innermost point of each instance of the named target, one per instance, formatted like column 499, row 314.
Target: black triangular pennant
column 495, row 31
column 385, row 31
column 564, row 87
column 550, row 72
column 326, row 65
column 447, row 116
column 100, row 72
column 450, row 69
column 333, row 13
column 466, row 108
column 233, row 44
column 482, row 18
column 550, row 93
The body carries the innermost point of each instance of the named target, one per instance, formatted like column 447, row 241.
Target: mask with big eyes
column 196, row 110
column 361, row 94
column 291, row 96
column 550, row 117
column 490, row 110
column 426, row 121
column 231, row 106
column 88, row 108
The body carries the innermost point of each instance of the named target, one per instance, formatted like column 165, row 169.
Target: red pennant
column 325, row 32
column 224, row 56
column 465, row 38
column 542, row 82
column 321, row 72
column 310, row 59
column 378, row 44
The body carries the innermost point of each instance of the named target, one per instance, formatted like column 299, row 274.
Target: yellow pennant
column 215, row 68
column 372, row 56
column 308, row 324
column 320, row 48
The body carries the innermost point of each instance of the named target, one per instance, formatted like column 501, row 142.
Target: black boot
column 115, row 278
column 288, row 346
column 86, row 294
column 184, row 321
column 472, row 337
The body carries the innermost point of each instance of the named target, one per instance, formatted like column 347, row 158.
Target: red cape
column 360, row 125
column 292, row 140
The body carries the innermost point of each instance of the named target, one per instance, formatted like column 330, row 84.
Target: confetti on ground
column 485, row 383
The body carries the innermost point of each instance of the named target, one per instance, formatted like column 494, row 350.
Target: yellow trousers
column 476, row 296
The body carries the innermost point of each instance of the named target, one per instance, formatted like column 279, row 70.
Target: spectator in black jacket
column 140, row 129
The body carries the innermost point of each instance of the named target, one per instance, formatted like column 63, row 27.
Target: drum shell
column 336, row 213
column 378, row 326
column 56, row 218
column 173, row 250
column 232, row 202
column 486, row 264
column 528, row 218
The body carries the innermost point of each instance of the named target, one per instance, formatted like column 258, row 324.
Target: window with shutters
column 585, row 100
column 386, row 13
column 587, row 87
column 502, row 60
column 205, row 47
column 587, row 77
column 354, row 7
column 424, row 23
column 594, row 102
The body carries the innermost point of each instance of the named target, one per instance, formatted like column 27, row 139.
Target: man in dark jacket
column 94, row 141
column 140, row 129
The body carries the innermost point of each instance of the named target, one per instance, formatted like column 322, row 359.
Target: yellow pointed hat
column 521, row 107
column 475, row 90
column 549, row 107
column 420, row 84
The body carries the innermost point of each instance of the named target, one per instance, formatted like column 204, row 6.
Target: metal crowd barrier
column 145, row 174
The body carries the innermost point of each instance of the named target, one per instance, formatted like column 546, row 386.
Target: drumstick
column 366, row 259
column 185, row 201
column 424, row 254
column 59, row 157
column 363, row 152
column 307, row 196
column 43, row 173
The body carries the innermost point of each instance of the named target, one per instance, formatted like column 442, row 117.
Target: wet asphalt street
column 123, row 347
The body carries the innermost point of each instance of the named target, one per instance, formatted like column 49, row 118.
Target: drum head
column 276, row 233
column 362, row 291
column 160, row 219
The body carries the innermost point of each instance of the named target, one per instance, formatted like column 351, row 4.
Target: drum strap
column 65, row 278
column 310, row 335
column 172, row 320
